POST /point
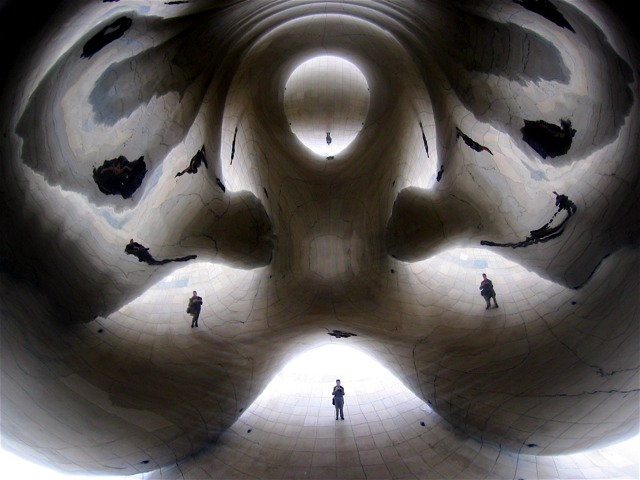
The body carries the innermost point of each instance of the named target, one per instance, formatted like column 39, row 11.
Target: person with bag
column 487, row 291
column 338, row 399
column 193, row 308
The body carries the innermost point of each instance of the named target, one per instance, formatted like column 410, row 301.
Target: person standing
column 487, row 291
column 195, row 305
column 338, row 399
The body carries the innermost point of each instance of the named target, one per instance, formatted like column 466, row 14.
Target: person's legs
column 495, row 302
column 337, row 410
column 196, row 314
column 488, row 300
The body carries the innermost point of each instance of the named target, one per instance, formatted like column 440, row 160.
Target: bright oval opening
column 326, row 100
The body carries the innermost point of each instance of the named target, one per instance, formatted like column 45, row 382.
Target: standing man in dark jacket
column 338, row 399
column 195, row 304
column 487, row 291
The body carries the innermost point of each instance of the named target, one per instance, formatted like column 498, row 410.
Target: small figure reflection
column 196, row 161
column 474, row 145
column 548, row 231
column 563, row 203
column 142, row 254
column 487, row 291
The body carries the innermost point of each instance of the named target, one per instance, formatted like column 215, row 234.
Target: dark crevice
column 546, row 9
column 104, row 37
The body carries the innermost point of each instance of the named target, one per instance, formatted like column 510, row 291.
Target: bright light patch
column 326, row 100
column 17, row 467
column 323, row 365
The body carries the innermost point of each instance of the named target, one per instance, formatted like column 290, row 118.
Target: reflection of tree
column 142, row 254
column 118, row 176
column 547, row 139
column 546, row 232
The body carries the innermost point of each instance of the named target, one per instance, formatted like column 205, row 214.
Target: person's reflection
column 196, row 161
column 471, row 143
column 142, row 254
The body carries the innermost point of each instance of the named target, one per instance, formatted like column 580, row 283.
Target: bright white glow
column 14, row 467
column 326, row 101
column 323, row 365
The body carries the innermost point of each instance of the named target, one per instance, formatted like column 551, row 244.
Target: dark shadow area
column 547, row 139
column 12, row 14
column 548, row 231
column 520, row 55
column 105, row 36
column 119, row 176
column 505, row 50
column 548, row 10
column 340, row 334
column 183, row 57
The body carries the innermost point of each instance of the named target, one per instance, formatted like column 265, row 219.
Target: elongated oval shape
column 326, row 101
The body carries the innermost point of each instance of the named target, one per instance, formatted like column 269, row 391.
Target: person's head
column 484, row 275
column 195, row 294
column 337, row 381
